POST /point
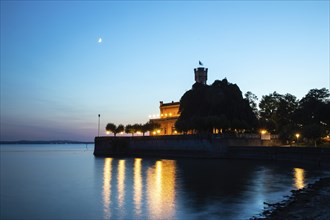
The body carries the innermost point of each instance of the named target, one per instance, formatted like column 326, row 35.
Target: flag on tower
column 200, row 63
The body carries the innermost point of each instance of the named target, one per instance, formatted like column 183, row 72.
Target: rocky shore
column 311, row 202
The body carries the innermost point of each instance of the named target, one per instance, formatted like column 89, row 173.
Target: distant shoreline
column 47, row 142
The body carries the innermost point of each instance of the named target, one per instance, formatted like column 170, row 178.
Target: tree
column 313, row 114
column 204, row 108
column 111, row 127
column 149, row 126
column 182, row 125
column 137, row 128
column 277, row 114
column 278, row 110
column 313, row 108
column 129, row 129
column 252, row 99
column 120, row 129
column 312, row 132
column 145, row 128
column 268, row 107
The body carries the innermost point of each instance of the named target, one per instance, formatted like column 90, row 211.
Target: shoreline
column 311, row 202
column 213, row 147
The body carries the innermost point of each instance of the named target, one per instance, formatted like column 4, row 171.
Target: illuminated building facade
column 169, row 113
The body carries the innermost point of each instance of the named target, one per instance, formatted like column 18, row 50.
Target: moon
column 99, row 40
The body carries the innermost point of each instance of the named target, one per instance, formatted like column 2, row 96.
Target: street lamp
column 98, row 131
column 263, row 131
column 297, row 136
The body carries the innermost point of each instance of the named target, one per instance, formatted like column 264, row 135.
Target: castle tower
column 200, row 75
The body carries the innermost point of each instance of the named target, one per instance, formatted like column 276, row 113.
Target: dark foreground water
column 68, row 182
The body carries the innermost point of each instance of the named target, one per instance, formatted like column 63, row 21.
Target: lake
column 68, row 182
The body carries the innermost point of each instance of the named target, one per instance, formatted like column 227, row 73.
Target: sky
column 65, row 62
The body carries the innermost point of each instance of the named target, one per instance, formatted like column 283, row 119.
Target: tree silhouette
column 129, row 129
column 149, row 126
column 313, row 114
column 219, row 106
column 252, row 99
column 111, row 127
column 277, row 114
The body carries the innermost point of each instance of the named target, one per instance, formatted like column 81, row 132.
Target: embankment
column 212, row 147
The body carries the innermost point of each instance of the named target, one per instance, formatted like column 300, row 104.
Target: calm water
column 68, row 182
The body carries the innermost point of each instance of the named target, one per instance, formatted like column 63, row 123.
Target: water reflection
column 107, row 171
column 161, row 189
column 193, row 189
column 158, row 178
column 299, row 178
column 137, row 186
column 121, row 183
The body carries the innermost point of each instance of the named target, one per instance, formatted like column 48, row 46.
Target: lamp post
column 98, row 131
column 297, row 136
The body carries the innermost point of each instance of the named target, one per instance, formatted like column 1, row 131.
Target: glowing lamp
column 263, row 131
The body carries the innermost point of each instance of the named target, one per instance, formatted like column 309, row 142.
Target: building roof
column 169, row 104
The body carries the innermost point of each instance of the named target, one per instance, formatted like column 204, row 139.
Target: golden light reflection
column 137, row 186
column 121, row 183
column 299, row 178
column 107, row 187
column 161, row 190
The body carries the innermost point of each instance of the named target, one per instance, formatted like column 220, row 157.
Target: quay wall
column 212, row 147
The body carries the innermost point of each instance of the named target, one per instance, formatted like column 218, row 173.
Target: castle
column 169, row 112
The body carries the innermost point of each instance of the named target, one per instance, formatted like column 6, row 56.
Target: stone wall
column 212, row 147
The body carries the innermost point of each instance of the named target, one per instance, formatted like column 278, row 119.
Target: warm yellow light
column 166, row 115
column 299, row 178
column 121, row 182
column 138, row 185
column 158, row 131
column 175, row 132
column 263, row 131
column 160, row 189
column 107, row 172
column 154, row 132
column 297, row 135
column 107, row 132
column 170, row 114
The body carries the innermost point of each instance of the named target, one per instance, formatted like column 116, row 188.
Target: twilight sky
column 57, row 75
